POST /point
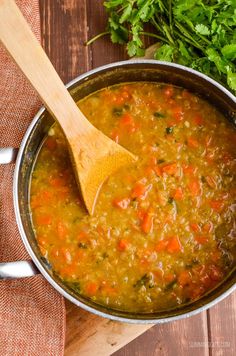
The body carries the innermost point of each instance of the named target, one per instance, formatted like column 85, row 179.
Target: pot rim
column 24, row 238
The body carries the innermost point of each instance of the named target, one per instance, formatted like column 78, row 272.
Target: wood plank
column 182, row 337
column 222, row 326
column 89, row 335
column 64, row 32
column 102, row 51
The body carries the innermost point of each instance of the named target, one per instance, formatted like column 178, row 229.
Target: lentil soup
column 164, row 229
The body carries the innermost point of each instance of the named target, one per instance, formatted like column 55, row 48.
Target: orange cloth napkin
column 32, row 313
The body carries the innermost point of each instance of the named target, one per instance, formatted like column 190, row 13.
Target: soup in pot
column 164, row 229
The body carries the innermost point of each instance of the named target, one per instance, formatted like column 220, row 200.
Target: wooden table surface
column 65, row 26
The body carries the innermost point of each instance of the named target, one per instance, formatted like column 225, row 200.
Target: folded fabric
column 32, row 313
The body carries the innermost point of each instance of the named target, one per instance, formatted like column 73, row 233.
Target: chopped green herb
column 158, row 115
column 169, row 130
column 143, row 281
column 117, row 111
column 82, row 245
column 170, row 200
column 199, row 34
column 170, row 285
column 160, row 161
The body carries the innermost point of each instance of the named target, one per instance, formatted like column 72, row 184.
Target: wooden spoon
column 94, row 156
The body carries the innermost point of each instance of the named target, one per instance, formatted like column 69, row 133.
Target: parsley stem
column 163, row 39
column 93, row 39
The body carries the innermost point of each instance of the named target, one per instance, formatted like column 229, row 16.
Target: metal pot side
column 127, row 71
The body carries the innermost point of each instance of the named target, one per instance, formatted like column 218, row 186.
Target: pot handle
column 18, row 269
column 8, row 155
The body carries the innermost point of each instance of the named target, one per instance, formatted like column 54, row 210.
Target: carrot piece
column 201, row 239
column 84, row 235
column 157, row 170
column 217, row 205
column 44, row 219
column 178, row 194
column 195, row 187
column 193, row 143
column 91, row 288
column 126, row 120
column 147, row 222
column 174, row 245
column 170, row 168
column 211, row 182
column 195, row 227
column 161, row 245
column 121, row 203
column 139, row 190
column 184, row 278
column 189, row 170
column 50, row 143
column 122, row 245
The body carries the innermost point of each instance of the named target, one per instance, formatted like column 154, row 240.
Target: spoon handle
column 20, row 42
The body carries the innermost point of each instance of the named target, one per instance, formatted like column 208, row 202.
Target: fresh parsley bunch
column 198, row 34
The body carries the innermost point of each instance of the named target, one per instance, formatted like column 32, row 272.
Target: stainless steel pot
column 128, row 71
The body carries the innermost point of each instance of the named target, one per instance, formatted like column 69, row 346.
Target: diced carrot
column 68, row 270
column 174, row 245
column 121, row 203
column 50, row 143
column 44, row 219
column 195, row 187
column 161, row 245
column 201, row 239
column 211, row 182
column 198, row 119
column 157, row 170
column 170, row 168
column 147, row 222
column 178, row 194
column 192, row 142
column 83, row 235
column 91, row 288
column 122, row 245
column 195, row 227
column 139, row 190
column 189, row 170
column 62, row 230
column 216, row 205
column 126, row 120
column 184, row 278
column 153, row 161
